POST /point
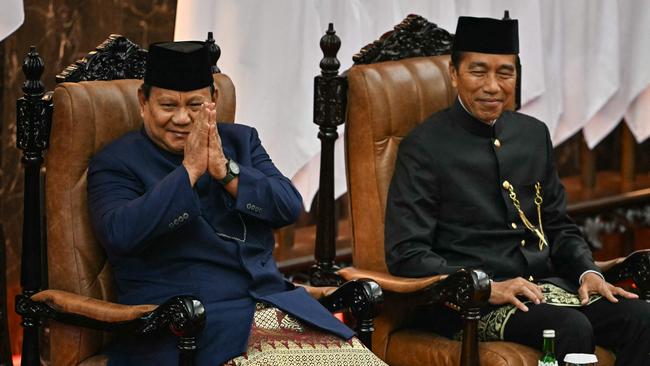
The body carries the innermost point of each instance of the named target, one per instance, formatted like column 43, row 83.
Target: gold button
column 513, row 225
column 523, row 243
column 531, row 279
column 497, row 143
column 506, row 184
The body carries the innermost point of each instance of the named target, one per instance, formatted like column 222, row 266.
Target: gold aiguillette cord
column 539, row 232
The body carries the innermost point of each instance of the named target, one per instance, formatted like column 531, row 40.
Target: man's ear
column 142, row 101
column 453, row 73
column 215, row 95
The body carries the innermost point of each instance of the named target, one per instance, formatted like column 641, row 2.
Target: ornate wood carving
column 462, row 289
column 119, row 58
column 34, row 111
column 330, row 99
column 183, row 316
column 635, row 267
column 361, row 298
column 116, row 58
column 466, row 291
column 415, row 36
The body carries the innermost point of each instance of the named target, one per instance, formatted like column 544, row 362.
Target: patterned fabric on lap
column 278, row 339
column 493, row 324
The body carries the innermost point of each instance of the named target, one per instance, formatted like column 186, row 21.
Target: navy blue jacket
column 164, row 238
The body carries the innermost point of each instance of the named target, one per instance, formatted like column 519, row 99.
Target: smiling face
column 485, row 83
column 169, row 115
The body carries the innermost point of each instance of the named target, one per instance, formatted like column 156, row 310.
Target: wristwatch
column 232, row 171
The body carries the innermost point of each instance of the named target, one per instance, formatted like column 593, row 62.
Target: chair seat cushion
column 415, row 347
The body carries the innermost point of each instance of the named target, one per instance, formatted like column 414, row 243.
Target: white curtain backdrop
column 585, row 63
column 11, row 17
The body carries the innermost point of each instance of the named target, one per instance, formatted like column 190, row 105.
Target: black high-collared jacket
column 449, row 207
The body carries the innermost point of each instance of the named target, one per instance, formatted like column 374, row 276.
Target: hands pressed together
column 506, row 292
column 203, row 150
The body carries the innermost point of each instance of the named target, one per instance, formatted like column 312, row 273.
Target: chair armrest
column 183, row 315
column 355, row 295
column 636, row 267
column 466, row 290
column 104, row 311
column 362, row 298
column 388, row 282
column 317, row 292
column 607, row 265
column 466, row 287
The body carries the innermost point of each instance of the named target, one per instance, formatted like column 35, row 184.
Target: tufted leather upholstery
column 385, row 101
column 87, row 116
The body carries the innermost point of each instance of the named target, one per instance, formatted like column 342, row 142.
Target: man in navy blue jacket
column 187, row 206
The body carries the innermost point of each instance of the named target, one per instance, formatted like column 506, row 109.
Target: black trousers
column 623, row 327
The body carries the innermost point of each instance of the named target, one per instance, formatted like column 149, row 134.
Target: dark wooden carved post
column 33, row 129
column 506, row 16
column 330, row 99
column 5, row 353
column 215, row 53
column 471, row 315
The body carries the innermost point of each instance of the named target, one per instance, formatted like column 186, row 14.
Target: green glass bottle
column 548, row 351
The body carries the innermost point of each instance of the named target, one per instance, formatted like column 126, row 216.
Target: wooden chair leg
column 187, row 349
column 469, row 347
column 5, row 352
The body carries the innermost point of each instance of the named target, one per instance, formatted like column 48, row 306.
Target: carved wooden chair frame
column 467, row 290
column 183, row 316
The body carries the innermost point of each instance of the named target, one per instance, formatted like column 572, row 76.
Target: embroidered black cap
column 487, row 35
column 181, row 66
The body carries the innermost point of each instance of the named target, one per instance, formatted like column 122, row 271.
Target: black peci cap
column 181, row 66
column 487, row 35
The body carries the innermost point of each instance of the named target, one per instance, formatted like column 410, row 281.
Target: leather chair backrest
column 87, row 116
column 386, row 101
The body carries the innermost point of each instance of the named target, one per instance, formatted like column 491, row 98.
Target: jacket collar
column 474, row 126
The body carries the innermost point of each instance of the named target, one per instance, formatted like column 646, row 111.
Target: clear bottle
column 548, row 351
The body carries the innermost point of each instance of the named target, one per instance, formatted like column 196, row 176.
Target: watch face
column 234, row 168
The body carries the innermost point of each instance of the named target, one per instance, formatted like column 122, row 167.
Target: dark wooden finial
column 330, row 43
column 215, row 53
column 32, row 114
column 33, row 67
column 329, row 86
column 506, row 15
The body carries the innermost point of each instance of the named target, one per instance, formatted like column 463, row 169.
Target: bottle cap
column 580, row 358
column 549, row 333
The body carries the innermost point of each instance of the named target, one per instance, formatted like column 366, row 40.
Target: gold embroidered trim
column 492, row 325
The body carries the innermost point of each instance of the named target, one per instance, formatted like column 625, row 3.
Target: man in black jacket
column 475, row 185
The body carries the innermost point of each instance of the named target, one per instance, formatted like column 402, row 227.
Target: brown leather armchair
column 83, row 116
column 395, row 84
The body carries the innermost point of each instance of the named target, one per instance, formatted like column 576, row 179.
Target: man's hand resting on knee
column 506, row 292
column 593, row 284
